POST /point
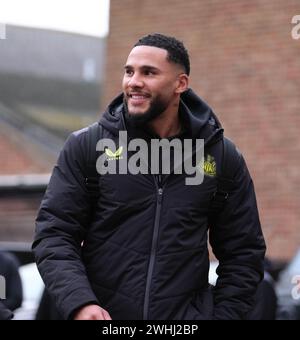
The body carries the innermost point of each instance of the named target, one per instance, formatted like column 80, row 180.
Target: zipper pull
column 160, row 194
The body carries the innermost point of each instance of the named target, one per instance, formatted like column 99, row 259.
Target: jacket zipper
column 153, row 248
column 159, row 187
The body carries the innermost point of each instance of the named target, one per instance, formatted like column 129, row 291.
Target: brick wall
column 246, row 65
column 20, row 156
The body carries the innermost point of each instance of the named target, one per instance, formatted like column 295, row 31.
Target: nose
column 135, row 81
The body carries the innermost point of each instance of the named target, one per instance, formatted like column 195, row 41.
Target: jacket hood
column 197, row 115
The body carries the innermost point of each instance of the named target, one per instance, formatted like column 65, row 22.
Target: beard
column 156, row 108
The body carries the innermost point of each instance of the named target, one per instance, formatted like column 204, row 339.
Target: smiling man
column 134, row 246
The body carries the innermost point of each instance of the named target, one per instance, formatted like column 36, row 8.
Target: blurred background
column 61, row 63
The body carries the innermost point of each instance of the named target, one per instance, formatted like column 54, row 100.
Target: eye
column 149, row 73
column 128, row 72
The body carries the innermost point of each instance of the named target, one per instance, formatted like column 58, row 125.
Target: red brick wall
column 21, row 156
column 246, row 65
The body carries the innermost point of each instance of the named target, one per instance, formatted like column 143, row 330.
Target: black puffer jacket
column 145, row 253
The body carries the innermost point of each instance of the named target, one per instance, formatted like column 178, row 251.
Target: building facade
column 50, row 83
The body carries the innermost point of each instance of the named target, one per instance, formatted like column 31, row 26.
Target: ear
column 182, row 83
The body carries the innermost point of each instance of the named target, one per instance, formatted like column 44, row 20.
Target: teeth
column 138, row 97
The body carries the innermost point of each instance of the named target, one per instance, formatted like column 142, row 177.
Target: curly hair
column 177, row 53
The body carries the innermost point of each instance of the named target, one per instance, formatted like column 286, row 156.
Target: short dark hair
column 177, row 53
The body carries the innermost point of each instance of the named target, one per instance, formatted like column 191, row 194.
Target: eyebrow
column 144, row 67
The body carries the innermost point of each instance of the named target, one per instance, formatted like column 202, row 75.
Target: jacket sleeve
column 60, row 229
column 237, row 242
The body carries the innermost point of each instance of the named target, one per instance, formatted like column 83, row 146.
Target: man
column 140, row 251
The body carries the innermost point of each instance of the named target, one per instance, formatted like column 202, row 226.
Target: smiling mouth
column 137, row 98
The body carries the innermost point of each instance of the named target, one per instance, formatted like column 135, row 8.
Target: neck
column 167, row 124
